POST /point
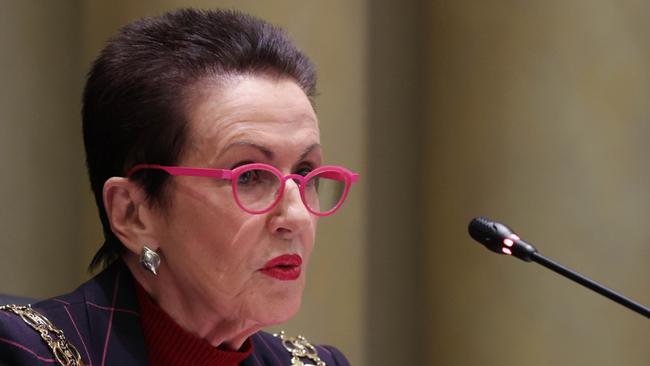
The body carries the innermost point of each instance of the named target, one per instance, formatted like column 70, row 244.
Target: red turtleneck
column 169, row 344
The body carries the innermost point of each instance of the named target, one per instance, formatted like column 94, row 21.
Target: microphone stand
column 590, row 284
column 501, row 239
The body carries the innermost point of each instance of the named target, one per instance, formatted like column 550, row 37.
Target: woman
column 204, row 155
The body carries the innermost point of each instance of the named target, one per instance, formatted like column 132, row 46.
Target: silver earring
column 150, row 260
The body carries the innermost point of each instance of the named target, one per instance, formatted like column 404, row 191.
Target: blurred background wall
column 533, row 113
column 538, row 115
column 42, row 185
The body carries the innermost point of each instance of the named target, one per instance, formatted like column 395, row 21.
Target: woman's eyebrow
column 263, row 149
column 308, row 150
column 266, row 151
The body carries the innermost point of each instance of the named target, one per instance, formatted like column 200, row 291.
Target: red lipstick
column 285, row 267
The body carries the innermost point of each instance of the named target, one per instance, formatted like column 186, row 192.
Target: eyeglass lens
column 258, row 189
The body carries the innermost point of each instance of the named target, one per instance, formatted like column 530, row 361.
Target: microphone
column 501, row 239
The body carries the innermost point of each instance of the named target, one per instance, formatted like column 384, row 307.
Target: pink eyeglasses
column 258, row 188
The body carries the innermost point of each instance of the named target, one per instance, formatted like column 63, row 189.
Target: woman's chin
column 280, row 312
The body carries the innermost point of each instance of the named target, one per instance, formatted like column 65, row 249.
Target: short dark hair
column 134, row 102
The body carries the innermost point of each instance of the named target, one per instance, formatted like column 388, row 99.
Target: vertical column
column 40, row 147
column 397, row 184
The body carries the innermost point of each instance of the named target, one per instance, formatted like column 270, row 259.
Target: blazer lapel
column 114, row 320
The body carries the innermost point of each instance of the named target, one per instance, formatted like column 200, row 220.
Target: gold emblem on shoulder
column 299, row 348
column 64, row 352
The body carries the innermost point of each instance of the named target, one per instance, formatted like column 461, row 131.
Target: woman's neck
column 189, row 312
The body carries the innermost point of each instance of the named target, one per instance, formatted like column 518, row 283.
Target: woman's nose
column 290, row 216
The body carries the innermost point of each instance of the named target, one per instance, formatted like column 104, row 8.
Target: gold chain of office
column 299, row 348
column 64, row 352
column 67, row 355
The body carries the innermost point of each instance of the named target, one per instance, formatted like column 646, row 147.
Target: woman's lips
column 285, row 267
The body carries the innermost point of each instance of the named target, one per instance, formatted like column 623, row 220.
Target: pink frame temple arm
column 193, row 172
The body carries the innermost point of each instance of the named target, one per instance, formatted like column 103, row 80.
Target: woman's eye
column 248, row 177
column 304, row 171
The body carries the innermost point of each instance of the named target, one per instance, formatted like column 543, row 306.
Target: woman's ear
column 127, row 210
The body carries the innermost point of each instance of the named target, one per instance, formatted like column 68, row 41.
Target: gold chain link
column 64, row 352
column 299, row 348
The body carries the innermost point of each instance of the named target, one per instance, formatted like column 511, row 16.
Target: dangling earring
column 150, row 260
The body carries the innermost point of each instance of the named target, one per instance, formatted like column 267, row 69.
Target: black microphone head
column 499, row 238
column 489, row 233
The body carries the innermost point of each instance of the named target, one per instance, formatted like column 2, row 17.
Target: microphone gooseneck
column 501, row 239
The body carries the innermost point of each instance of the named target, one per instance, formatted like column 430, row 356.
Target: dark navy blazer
column 101, row 319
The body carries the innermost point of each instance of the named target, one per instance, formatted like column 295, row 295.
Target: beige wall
column 539, row 116
column 40, row 150
column 396, row 264
column 534, row 113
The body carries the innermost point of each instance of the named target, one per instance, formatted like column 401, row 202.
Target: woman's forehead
column 264, row 111
column 271, row 140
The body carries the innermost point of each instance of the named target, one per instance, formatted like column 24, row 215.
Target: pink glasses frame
column 336, row 171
